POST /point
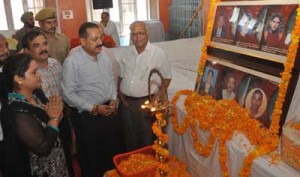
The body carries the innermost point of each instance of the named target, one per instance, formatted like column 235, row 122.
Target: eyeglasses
column 141, row 33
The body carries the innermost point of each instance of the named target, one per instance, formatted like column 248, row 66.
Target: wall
column 205, row 11
column 164, row 13
column 70, row 27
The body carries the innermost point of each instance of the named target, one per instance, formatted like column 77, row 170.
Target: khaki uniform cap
column 45, row 14
column 25, row 17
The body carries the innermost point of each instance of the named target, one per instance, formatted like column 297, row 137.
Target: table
column 182, row 147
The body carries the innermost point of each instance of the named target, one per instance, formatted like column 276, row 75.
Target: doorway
column 124, row 12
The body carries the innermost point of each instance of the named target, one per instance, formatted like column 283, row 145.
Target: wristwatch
column 94, row 111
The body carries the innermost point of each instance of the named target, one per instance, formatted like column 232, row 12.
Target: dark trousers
column 2, row 160
column 98, row 140
column 137, row 125
column 66, row 139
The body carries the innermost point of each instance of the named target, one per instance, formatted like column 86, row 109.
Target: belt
column 136, row 98
column 73, row 109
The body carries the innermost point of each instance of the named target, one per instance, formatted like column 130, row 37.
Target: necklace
column 13, row 96
column 16, row 96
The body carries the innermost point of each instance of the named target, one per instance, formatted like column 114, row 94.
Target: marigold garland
column 223, row 118
column 207, row 37
column 158, row 145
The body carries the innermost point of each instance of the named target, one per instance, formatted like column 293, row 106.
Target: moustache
column 44, row 52
column 100, row 45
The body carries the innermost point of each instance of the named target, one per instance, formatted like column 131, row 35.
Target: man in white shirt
column 110, row 28
column 133, row 87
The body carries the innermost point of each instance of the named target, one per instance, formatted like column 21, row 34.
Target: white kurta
column 111, row 30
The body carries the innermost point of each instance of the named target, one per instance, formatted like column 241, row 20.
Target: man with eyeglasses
column 4, row 53
column 133, row 85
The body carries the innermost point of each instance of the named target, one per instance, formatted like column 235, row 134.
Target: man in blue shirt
column 88, row 86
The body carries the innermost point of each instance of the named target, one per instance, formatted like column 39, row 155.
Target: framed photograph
column 278, row 26
column 250, row 26
column 263, row 27
column 208, row 82
column 253, row 90
column 223, row 31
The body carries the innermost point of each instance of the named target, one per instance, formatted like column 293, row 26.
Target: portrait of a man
column 208, row 81
column 274, row 31
column 256, row 102
column 220, row 30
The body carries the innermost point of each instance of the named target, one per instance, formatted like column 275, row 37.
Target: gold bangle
column 94, row 111
column 55, row 119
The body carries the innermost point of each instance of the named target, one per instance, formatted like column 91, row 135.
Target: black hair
column 83, row 29
column 106, row 13
column 29, row 36
column 257, row 91
column 281, row 22
column 210, row 71
column 15, row 65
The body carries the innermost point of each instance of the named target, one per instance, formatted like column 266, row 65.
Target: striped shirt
column 51, row 77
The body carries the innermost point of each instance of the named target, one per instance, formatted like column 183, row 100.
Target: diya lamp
column 158, row 105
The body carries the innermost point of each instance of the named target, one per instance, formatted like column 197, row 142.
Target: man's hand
column 107, row 110
column 123, row 99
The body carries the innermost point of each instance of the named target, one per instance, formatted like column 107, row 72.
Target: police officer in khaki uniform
column 58, row 43
column 28, row 20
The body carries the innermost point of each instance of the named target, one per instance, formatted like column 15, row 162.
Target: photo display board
column 247, row 54
column 253, row 90
column 264, row 28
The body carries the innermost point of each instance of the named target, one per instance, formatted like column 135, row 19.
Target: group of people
column 46, row 90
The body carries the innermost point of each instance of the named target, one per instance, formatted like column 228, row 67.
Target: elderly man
column 4, row 53
column 133, row 89
column 58, row 43
column 50, row 70
column 110, row 28
column 88, row 86
column 28, row 20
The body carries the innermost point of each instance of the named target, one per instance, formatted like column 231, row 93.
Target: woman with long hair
column 30, row 123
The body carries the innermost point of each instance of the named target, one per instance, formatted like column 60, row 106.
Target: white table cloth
column 182, row 147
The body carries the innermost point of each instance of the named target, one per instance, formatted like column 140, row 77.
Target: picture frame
column 248, row 28
column 253, row 90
